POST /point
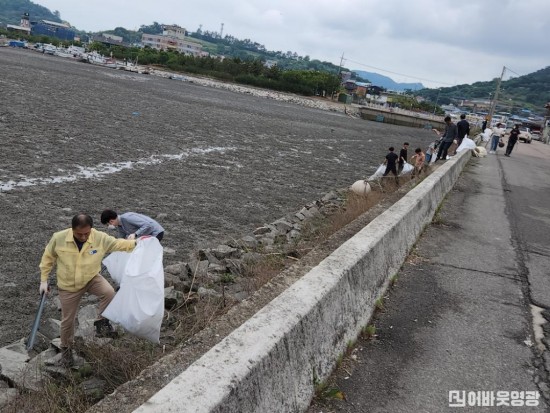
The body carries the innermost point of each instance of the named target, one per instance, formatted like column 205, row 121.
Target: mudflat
column 208, row 163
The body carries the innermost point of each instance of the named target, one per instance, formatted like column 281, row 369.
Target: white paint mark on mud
column 105, row 169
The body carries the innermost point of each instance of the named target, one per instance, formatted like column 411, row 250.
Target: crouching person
column 78, row 252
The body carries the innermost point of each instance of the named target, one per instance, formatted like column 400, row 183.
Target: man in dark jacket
column 402, row 157
column 463, row 129
column 514, row 135
column 450, row 134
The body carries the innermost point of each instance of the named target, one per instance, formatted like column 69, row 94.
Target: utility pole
column 221, row 32
column 339, row 70
column 341, row 62
column 495, row 98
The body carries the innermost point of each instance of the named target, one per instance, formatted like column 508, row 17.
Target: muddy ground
column 208, row 163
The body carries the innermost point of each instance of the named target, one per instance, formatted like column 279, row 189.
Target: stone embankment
column 323, row 104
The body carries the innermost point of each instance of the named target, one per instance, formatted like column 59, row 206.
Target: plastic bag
column 138, row 306
column 407, row 169
column 379, row 172
column 466, row 144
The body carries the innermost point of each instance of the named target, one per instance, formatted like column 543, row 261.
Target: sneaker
column 491, row 151
column 104, row 328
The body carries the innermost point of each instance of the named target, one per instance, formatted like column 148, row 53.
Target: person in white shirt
column 498, row 133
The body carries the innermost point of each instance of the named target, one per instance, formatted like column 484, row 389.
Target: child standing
column 430, row 151
column 418, row 159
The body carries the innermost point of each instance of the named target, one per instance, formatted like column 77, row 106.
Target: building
column 108, row 39
column 60, row 31
column 172, row 38
column 24, row 26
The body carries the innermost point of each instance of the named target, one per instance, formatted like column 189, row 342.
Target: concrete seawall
column 272, row 362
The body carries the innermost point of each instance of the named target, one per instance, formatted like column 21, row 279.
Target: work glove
column 131, row 236
column 44, row 287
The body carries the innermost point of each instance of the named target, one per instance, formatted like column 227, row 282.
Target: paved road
column 459, row 317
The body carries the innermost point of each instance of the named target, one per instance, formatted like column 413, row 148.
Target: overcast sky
column 437, row 42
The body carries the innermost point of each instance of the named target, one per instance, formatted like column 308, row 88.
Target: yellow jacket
column 76, row 268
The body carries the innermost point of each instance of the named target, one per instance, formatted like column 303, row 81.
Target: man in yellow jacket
column 78, row 253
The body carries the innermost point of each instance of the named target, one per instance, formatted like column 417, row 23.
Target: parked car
column 537, row 135
column 525, row 134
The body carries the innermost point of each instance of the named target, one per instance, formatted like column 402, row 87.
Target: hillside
column 387, row 82
column 12, row 10
column 531, row 91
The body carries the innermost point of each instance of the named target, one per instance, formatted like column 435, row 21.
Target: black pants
column 390, row 169
column 443, row 148
column 510, row 146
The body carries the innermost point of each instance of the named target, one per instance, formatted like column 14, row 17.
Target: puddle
column 104, row 169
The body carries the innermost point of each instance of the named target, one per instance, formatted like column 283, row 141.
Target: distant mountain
column 12, row 10
column 531, row 91
column 387, row 82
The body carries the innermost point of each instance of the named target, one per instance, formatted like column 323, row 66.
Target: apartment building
column 172, row 38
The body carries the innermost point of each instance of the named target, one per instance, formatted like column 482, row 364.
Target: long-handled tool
column 36, row 324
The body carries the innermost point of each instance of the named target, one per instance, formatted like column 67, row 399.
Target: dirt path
column 208, row 163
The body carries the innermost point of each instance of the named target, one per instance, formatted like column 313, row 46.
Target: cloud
column 444, row 41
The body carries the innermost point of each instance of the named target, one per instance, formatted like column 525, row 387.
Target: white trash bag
column 466, row 144
column 379, row 172
column 138, row 306
column 486, row 135
column 407, row 169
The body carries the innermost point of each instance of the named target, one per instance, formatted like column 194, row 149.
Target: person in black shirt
column 514, row 135
column 390, row 162
column 403, row 156
column 463, row 128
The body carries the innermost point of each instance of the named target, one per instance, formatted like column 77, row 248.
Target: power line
column 399, row 74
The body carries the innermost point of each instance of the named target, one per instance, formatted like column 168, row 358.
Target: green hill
column 12, row 10
column 530, row 91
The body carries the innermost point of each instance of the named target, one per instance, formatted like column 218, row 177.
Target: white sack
column 480, row 151
column 138, row 306
column 407, row 169
column 379, row 172
column 361, row 187
column 486, row 135
column 467, row 143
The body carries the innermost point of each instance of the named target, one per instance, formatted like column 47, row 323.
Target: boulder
column 208, row 292
column 331, row 195
column 283, row 226
column 217, row 269
column 300, row 216
column 14, row 368
column 51, row 328
column 262, row 230
column 248, row 242
column 208, row 256
column 172, row 298
column 199, row 268
column 94, row 388
column 222, row 252
column 7, row 395
column 179, row 269
column 86, row 317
